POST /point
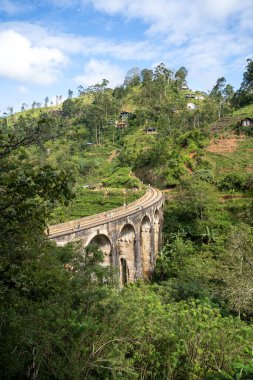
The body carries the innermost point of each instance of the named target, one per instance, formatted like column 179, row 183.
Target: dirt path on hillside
column 169, row 194
column 113, row 155
column 225, row 145
column 224, row 198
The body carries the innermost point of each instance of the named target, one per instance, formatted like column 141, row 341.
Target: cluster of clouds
column 30, row 53
column 178, row 17
column 22, row 61
column 96, row 70
column 211, row 38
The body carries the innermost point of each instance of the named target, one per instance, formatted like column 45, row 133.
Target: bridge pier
column 153, row 253
column 139, row 269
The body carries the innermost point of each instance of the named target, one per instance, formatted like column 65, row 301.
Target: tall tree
column 24, row 106
column 162, row 76
column 218, row 93
column 247, row 83
column 46, row 101
column 133, row 77
column 228, row 92
column 244, row 95
column 236, row 270
column 180, row 76
column 80, row 90
column 146, row 76
column 10, row 109
column 70, row 94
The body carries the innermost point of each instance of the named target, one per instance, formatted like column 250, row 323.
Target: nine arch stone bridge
column 129, row 237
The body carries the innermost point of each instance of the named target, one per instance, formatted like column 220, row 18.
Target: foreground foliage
column 63, row 316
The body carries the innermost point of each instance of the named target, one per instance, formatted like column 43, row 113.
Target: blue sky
column 50, row 46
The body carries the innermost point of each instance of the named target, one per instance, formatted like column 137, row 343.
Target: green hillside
column 246, row 111
column 62, row 313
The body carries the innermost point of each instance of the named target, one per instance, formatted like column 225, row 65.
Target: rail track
column 151, row 197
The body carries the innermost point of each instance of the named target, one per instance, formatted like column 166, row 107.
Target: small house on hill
column 150, row 130
column 199, row 97
column 191, row 106
column 124, row 113
column 124, row 116
column 247, row 122
column 121, row 124
column 192, row 96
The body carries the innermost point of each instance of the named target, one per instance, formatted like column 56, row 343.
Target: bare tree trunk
column 33, row 370
column 219, row 112
column 97, row 135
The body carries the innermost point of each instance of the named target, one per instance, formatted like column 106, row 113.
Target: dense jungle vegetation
column 62, row 313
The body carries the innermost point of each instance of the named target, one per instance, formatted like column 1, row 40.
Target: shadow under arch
column 105, row 245
column 156, row 216
column 126, row 245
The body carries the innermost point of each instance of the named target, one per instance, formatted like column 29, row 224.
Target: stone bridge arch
column 129, row 237
column 104, row 244
column 127, row 253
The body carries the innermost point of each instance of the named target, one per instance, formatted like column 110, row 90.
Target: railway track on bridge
column 150, row 198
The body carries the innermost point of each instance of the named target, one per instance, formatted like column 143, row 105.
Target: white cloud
column 139, row 50
column 208, row 37
column 168, row 16
column 211, row 38
column 95, row 71
column 85, row 45
column 22, row 61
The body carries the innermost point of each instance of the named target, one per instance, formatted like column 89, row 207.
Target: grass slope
column 238, row 161
column 245, row 111
column 90, row 202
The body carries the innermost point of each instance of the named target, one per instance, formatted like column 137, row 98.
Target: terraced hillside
column 225, row 125
column 233, row 154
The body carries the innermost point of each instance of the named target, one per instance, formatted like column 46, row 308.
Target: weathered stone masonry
column 129, row 237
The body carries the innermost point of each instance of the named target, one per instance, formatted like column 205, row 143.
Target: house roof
column 191, row 105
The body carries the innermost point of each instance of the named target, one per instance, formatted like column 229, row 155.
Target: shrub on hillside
column 205, row 175
column 122, row 178
column 193, row 139
column 233, row 181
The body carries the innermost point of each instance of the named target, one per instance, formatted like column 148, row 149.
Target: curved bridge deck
column 129, row 236
column 151, row 197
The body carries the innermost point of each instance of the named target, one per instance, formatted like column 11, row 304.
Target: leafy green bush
column 205, row 175
column 194, row 139
column 122, row 178
column 232, row 181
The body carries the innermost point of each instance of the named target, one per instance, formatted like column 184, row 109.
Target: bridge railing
column 82, row 222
